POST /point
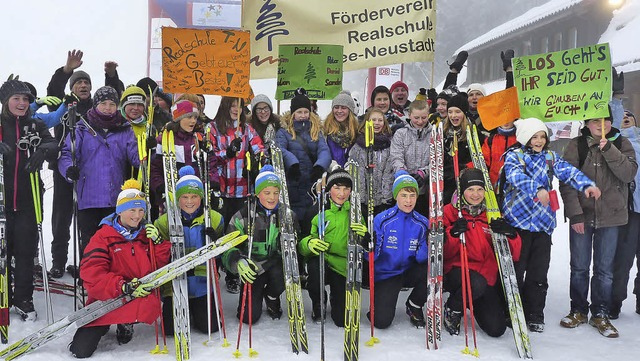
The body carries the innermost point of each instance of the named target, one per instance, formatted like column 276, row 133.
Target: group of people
column 94, row 157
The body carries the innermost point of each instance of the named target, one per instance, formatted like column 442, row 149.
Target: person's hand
column 152, row 233
column 604, row 144
column 316, row 245
column 5, row 148
column 214, row 186
column 578, row 227
column 34, row 163
column 500, row 225
column 592, row 191
column 246, row 270
column 110, row 68
column 459, row 227
column 420, row 177
column 316, row 173
column 73, row 173
column 234, row 148
column 135, row 289
column 359, row 229
column 294, row 172
column 211, row 233
column 70, row 99
column 49, row 100
column 543, row 197
column 74, row 60
column 151, row 143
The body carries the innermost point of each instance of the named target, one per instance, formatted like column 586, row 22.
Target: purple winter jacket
column 103, row 159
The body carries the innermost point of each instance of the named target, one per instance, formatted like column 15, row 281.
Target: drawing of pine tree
column 311, row 73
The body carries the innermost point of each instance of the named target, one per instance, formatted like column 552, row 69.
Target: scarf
column 341, row 138
column 126, row 232
column 103, row 121
column 380, row 141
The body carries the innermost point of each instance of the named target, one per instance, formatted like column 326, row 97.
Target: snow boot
column 56, row 271
column 452, row 320
column 536, row 326
column 273, row 307
column 233, row 285
column 416, row 315
column 26, row 310
column 573, row 319
column 604, row 326
column 124, row 333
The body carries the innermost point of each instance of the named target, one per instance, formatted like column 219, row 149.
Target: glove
column 70, row 99
column 246, row 270
column 364, row 241
column 214, row 186
column 153, row 234
column 49, row 100
column 294, row 172
column 73, row 173
column 316, row 173
column 500, row 225
column 136, row 289
column 211, row 233
column 506, row 57
column 459, row 227
column 34, row 163
column 151, row 143
column 317, row 245
column 618, row 81
column 4, row 148
column 234, row 148
column 420, row 178
column 359, row 229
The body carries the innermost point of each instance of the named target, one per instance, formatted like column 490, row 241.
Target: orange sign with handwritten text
column 207, row 61
column 499, row 108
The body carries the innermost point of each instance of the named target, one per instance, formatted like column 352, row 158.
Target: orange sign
column 499, row 108
column 207, row 61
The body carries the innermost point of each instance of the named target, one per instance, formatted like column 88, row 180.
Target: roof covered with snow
column 622, row 35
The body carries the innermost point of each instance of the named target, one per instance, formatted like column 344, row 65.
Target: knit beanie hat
column 32, row 89
column 184, row 109
column 477, row 87
column 345, row 99
column 398, row 84
column 131, row 197
column 448, row 92
column 526, row 128
column 300, row 100
column 261, row 98
column 267, row 178
column 13, row 87
column 167, row 97
column 105, row 93
column 133, row 95
column 459, row 101
column 188, row 183
column 403, row 180
column 145, row 84
column 77, row 75
column 339, row 176
column 471, row 177
column 377, row 90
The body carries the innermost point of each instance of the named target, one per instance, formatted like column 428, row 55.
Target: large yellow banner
column 372, row 32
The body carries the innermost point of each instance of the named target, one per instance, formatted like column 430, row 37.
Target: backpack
column 501, row 188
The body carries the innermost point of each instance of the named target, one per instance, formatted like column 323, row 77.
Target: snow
column 34, row 51
column 621, row 34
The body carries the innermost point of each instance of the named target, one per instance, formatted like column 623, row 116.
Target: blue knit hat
column 188, row 183
column 131, row 197
column 267, row 178
column 403, row 180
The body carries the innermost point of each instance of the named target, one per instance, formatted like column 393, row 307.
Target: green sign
column 565, row 85
column 316, row 68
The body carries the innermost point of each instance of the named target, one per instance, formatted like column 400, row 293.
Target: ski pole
column 369, row 138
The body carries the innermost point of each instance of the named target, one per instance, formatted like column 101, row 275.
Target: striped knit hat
column 188, row 182
column 183, row 109
column 267, row 178
column 403, row 180
column 131, row 197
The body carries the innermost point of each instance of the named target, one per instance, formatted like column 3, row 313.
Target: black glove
column 459, row 227
column 500, row 225
column 294, row 172
column 34, row 163
column 364, row 241
column 70, row 99
column 234, row 148
column 618, row 81
column 316, row 173
column 420, row 178
column 4, row 148
column 211, row 233
column 160, row 190
column 214, row 186
column 506, row 57
column 151, row 143
column 73, row 173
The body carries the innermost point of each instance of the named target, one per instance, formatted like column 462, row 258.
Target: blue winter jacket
column 50, row 119
column 401, row 240
column 103, row 159
column 526, row 172
column 633, row 134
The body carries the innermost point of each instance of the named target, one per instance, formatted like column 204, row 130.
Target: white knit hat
column 526, row 128
column 478, row 87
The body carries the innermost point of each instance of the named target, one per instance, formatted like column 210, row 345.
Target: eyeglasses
column 262, row 110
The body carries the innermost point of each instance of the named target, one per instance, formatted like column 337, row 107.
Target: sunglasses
column 133, row 193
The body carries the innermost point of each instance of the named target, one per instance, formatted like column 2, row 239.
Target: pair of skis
column 503, row 255
column 98, row 309
column 436, row 239
column 288, row 244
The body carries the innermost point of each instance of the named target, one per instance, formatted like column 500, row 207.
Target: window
column 544, row 45
column 573, row 38
column 557, row 42
column 526, row 47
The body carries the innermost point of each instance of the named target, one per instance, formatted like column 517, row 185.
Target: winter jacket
column 401, row 241
column 194, row 238
column 494, row 147
column 229, row 171
column 265, row 249
column 110, row 260
column 382, row 170
column 17, row 182
column 336, row 234
column 186, row 148
column 103, row 159
column 480, row 253
column 410, row 150
column 526, row 172
column 633, row 134
column 50, row 119
column 464, row 161
column 294, row 153
column 612, row 170
column 338, row 153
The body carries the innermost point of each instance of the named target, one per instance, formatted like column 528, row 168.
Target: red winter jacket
column 493, row 148
column 109, row 261
column 480, row 254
